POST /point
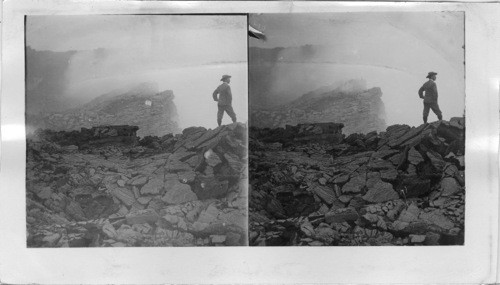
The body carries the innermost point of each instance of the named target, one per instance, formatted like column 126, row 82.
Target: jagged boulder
column 380, row 192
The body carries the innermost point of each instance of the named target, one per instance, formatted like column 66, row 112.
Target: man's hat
column 224, row 77
column 432, row 73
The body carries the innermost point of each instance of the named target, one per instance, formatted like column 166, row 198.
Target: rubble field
column 404, row 186
column 105, row 187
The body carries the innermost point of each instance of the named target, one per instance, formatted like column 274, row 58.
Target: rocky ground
column 184, row 190
column 404, row 186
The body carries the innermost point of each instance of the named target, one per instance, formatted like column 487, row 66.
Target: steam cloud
column 393, row 51
column 186, row 54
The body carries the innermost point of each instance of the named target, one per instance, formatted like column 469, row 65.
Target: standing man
column 431, row 97
column 224, row 100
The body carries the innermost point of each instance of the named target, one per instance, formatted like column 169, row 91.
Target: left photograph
column 136, row 130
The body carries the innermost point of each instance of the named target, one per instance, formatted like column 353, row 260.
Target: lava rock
column 178, row 193
column 342, row 215
column 449, row 186
column 414, row 157
column 153, row 186
column 141, row 217
column 355, row 185
column 326, row 193
column 381, row 192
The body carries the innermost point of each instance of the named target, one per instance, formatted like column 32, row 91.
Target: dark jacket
column 225, row 96
column 431, row 92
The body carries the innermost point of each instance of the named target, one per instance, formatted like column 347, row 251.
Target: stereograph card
column 250, row 142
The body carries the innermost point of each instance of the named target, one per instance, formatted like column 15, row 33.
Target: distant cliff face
column 153, row 112
column 361, row 110
column 281, row 80
column 45, row 80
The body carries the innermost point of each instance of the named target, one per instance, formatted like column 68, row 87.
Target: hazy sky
column 394, row 51
column 62, row 33
column 187, row 54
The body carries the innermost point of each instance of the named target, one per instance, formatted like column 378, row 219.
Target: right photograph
column 357, row 129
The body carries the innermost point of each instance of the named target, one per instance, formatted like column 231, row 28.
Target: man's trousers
column 435, row 108
column 229, row 110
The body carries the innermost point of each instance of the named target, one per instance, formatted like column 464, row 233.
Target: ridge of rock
column 359, row 109
column 144, row 106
